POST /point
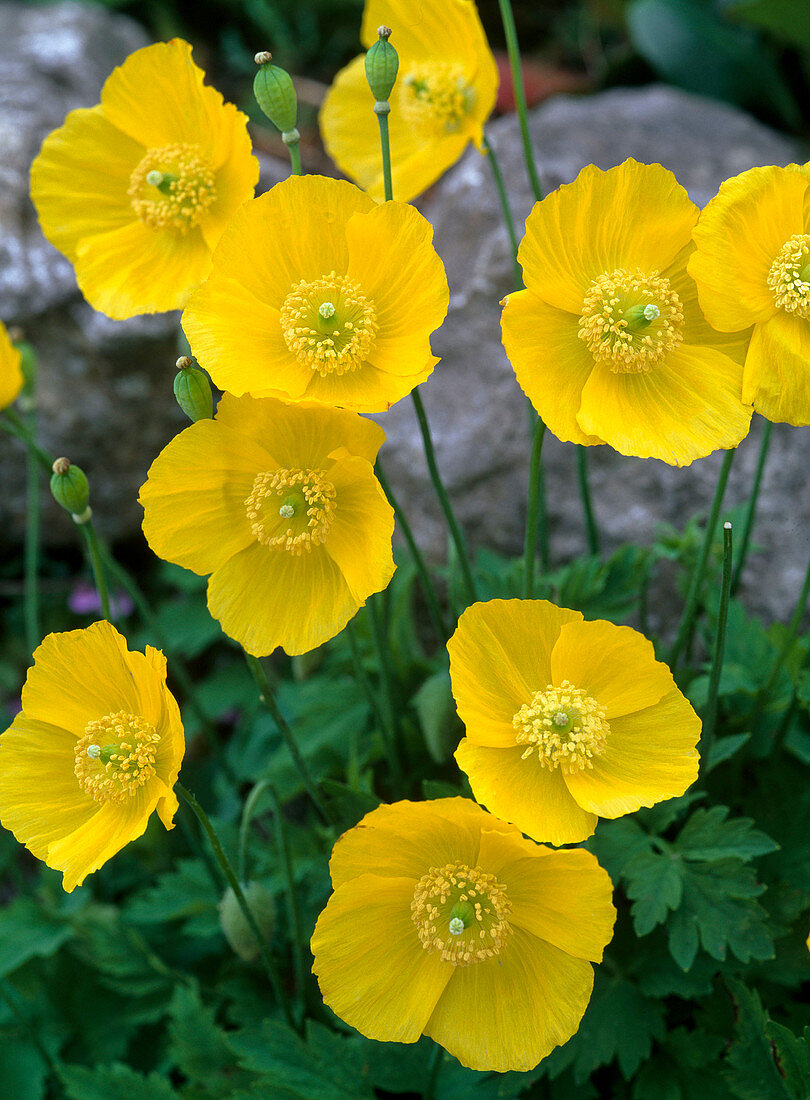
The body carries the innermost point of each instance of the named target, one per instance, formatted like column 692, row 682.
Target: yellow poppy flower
column 567, row 720
column 445, row 91
column 401, row 950
column 752, row 267
column 96, row 748
column 11, row 376
column 137, row 190
column 280, row 504
column 607, row 340
column 318, row 294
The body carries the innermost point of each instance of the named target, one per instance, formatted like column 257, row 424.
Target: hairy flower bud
column 193, row 390
column 235, row 927
column 382, row 63
column 275, row 94
column 70, row 487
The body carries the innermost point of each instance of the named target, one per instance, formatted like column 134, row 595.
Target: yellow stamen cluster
column 329, row 324
column 564, row 726
column 172, row 187
column 436, row 95
column 789, row 277
column 461, row 912
column 631, row 320
column 291, row 509
column 115, row 756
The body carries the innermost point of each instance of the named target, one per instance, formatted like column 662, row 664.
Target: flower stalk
column 533, row 512
column 513, row 50
column 750, row 515
column 587, row 504
column 707, row 735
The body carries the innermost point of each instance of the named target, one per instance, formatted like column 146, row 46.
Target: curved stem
column 764, row 447
column 33, row 633
column 506, row 210
column 444, row 500
column 533, row 508
column 235, row 885
column 707, row 735
column 388, row 728
column 97, row 565
column 362, row 676
column 587, row 505
column 248, row 813
column 687, row 625
column 508, row 20
column 296, row 926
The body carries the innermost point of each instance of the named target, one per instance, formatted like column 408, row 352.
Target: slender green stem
column 444, row 500
column 269, row 701
column 707, row 736
column 295, row 158
column 360, row 672
column 385, row 145
column 787, row 644
column 687, row 624
column 97, row 565
column 506, row 210
column 33, row 632
column 294, row 912
column 764, row 447
column 432, row 600
column 513, row 50
column 11, row 422
column 784, row 725
column 533, row 508
column 587, row 505
column 388, row 727
column 248, row 813
column 235, row 885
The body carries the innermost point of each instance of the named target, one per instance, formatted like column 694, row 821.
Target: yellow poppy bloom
column 608, row 340
column 567, row 720
column 280, row 504
column 318, row 294
column 752, row 267
column 402, row 950
column 96, row 748
column 137, row 190
column 445, row 91
column 11, row 376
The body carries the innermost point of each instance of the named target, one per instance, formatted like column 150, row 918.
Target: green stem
column 444, row 500
column 533, row 508
column 248, row 813
column 33, row 632
column 587, row 505
column 361, row 675
column 385, row 145
column 707, row 735
column 295, row 158
column 764, row 447
column 432, row 600
column 787, row 643
column 294, row 912
column 12, row 423
column 235, row 885
column 269, row 701
column 687, row 624
column 506, row 210
column 513, row 50
column 388, row 728
column 97, row 564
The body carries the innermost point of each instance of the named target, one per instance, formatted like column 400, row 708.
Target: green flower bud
column 71, row 489
column 193, row 390
column 236, row 929
column 275, row 94
column 382, row 63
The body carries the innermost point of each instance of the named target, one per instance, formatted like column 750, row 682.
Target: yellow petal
column 632, row 216
column 194, row 496
column 615, row 665
column 649, row 756
column 509, row 1012
column 777, row 369
column 359, row 540
column 678, row 411
column 371, row 967
column 551, row 363
column 499, row 656
column 11, row 376
column 525, row 793
column 159, row 707
column 562, row 897
column 408, row 838
column 368, row 389
column 738, row 236
column 264, row 598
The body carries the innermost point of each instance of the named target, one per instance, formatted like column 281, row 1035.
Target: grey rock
column 478, row 412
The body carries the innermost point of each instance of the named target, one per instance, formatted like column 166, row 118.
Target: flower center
column 172, row 187
column 116, row 756
column 564, row 726
column 630, row 320
column 789, row 277
column 329, row 324
column 436, row 96
column 291, row 509
column 461, row 913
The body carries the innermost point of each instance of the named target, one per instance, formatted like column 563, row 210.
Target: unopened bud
column 70, row 487
column 234, row 925
column 382, row 63
column 193, row 390
column 275, row 94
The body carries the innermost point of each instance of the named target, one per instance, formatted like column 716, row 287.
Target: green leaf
column 686, row 1067
column 752, row 1070
column 436, row 710
column 616, row 843
column 724, row 748
column 197, row 1045
column 655, row 885
column 707, row 835
column 349, row 804
column 26, row 931
column 22, row 1070
column 187, row 893
column 792, row 1058
column 115, row 1082
column 785, row 19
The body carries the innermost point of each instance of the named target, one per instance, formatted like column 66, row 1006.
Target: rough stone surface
column 477, row 410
